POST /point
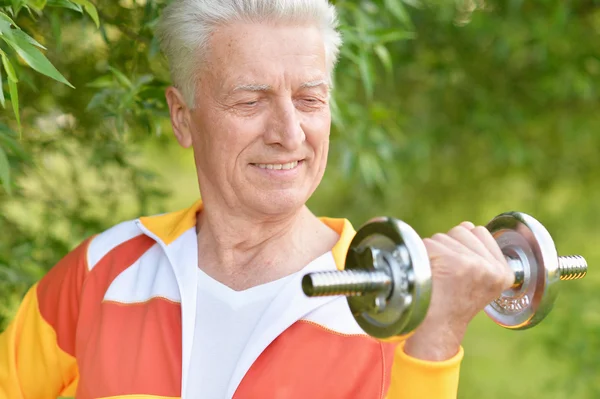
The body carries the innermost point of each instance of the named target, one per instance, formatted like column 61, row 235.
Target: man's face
column 260, row 128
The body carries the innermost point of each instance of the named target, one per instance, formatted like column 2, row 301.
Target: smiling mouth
column 278, row 166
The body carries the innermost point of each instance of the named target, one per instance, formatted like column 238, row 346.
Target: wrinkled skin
column 263, row 98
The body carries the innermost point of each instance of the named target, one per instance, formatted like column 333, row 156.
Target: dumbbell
column 387, row 275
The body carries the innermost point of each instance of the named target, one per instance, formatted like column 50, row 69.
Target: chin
column 280, row 203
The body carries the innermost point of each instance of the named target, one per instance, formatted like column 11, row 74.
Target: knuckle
column 509, row 278
column 460, row 273
column 469, row 262
column 505, row 268
column 429, row 244
column 472, row 260
column 457, row 230
column 503, row 280
column 499, row 281
column 438, row 236
column 481, row 230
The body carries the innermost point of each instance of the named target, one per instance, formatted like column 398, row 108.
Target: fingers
column 488, row 249
column 490, row 243
column 434, row 248
column 468, row 225
column 470, row 240
column 486, row 238
column 467, row 238
column 451, row 243
column 461, row 241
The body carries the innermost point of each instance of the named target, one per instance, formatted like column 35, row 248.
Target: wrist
column 435, row 341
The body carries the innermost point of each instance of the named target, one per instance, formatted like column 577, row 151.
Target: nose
column 284, row 128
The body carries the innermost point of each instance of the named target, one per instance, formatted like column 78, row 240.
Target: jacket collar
column 170, row 226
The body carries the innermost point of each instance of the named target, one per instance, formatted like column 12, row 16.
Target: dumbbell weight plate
column 397, row 248
column 521, row 236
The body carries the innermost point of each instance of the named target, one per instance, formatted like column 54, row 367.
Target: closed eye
column 312, row 102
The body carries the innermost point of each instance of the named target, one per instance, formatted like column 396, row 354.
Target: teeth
column 277, row 166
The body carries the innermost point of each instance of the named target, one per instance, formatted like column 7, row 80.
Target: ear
column 180, row 116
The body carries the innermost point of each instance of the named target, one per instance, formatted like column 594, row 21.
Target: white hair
column 185, row 27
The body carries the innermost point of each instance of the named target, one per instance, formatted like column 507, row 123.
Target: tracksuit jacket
column 115, row 319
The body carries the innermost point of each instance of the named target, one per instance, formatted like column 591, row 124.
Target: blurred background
column 444, row 111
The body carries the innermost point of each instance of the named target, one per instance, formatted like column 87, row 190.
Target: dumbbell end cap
column 522, row 236
column 573, row 267
column 308, row 286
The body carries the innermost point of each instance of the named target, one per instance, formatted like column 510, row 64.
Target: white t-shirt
column 225, row 319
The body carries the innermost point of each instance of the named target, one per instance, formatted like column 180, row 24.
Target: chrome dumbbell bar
column 387, row 276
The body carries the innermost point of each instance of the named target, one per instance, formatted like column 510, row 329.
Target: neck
column 243, row 252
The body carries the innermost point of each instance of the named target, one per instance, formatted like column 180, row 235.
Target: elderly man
column 207, row 302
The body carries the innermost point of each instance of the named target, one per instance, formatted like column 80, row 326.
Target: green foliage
column 26, row 47
column 442, row 112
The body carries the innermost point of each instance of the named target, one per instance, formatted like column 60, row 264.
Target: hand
column 469, row 271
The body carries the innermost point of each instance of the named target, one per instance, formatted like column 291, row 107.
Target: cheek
column 219, row 135
column 317, row 130
column 225, row 142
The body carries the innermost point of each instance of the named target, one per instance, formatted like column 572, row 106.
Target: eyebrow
column 315, row 83
column 264, row 87
column 252, row 87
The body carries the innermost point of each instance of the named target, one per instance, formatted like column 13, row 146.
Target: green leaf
column 120, row 123
column 397, row 9
column 93, row 13
column 364, row 66
column 37, row 4
column 371, row 169
column 154, row 49
column 385, row 57
column 64, row 4
column 98, row 100
column 35, row 59
column 143, row 80
column 9, row 33
column 2, row 99
column 5, row 18
column 28, row 38
column 14, row 99
column 392, row 35
column 8, row 67
column 6, row 140
column 336, row 115
column 25, row 79
column 16, row 6
column 121, row 78
column 56, row 25
column 103, row 82
column 4, row 171
column 104, row 35
column 90, row 9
